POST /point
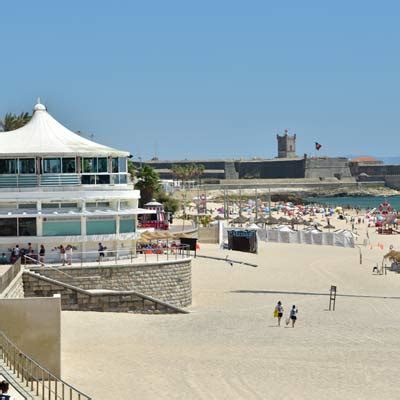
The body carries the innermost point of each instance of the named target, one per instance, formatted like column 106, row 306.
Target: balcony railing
column 33, row 180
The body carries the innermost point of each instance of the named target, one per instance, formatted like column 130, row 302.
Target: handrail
column 122, row 253
column 38, row 379
column 47, row 266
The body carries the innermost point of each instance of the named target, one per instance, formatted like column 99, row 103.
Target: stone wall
column 76, row 299
column 169, row 281
column 327, row 167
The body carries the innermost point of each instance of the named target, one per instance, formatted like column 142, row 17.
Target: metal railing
column 41, row 382
column 115, row 256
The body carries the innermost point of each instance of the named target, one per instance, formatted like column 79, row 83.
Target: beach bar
column 57, row 187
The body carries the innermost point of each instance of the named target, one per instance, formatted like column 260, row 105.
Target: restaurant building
column 57, row 187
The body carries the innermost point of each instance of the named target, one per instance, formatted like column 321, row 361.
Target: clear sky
column 196, row 79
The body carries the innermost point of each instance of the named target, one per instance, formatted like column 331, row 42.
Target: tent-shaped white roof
column 44, row 136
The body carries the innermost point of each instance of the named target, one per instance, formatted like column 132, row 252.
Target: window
column 69, row 205
column 53, row 227
column 52, row 165
column 88, row 179
column 103, row 179
column 26, row 165
column 8, row 166
column 68, row 165
column 50, row 205
column 27, row 226
column 102, row 164
column 122, row 179
column 115, row 165
column 122, row 164
column 25, row 206
column 8, row 227
column 100, row 226
column 89, row 165
column 127, row 225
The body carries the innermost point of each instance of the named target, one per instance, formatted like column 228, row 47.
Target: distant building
column 286, row 145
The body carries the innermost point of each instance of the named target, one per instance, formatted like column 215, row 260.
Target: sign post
column 332, row 298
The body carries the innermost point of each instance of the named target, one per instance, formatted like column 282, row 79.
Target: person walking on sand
column 293, row 315
column 278, row 312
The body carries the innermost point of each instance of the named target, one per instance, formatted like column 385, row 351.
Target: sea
column 356, row 202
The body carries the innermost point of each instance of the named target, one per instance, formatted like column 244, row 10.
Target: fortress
column 288, row 165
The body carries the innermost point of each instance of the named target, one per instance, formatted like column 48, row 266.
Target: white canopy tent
column 44, row 136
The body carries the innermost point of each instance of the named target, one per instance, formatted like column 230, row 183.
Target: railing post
column 42, row 385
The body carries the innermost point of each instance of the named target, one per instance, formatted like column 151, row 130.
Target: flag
column 317, row 145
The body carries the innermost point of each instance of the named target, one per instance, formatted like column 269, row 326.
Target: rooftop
column 44, row 136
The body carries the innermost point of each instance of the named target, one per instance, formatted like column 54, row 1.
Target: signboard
column 242, row 240
column 192, row 242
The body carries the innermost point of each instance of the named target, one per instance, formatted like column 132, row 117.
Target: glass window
column 103, row 204
column 88, row 179
column 61, row 227
column 8, row 226
column 52, row 165
column 25, row 206
column 122, row 179
column 8, row 166
column 27, row 226
column 122, row 164
column 100, row 226
column 127, row 225
column 26, row 165
column 102, row 164
column 50, row 205
column 68, row 165
column 115, row 165
column 103, row 179
column 89, row 165
column 69, row 205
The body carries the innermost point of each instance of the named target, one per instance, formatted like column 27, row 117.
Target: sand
column 229, row 347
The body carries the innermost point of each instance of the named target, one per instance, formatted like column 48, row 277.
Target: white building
column 57, row 187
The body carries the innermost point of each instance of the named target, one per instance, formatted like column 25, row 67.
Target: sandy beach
column 229, row 347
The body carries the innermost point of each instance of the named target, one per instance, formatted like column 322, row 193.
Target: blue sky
column 186, row 79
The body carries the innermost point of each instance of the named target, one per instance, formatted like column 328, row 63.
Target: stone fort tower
column 286, row 145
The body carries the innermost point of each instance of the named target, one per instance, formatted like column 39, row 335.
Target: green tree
column 148, row 183
column 170, row 203
column 10, row 122
column 185, row 173
column 131, row 170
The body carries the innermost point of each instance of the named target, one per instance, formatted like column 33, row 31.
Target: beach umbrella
column 329, row 226
column 283, row 220
column 239, row 220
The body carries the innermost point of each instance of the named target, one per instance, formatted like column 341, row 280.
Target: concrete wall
column 76, row 299
column 169, row 281
column 374, row 170
column 34, row 325
column 271, row 169
column 209, row 234
column 393, row 181
column 327, row 167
